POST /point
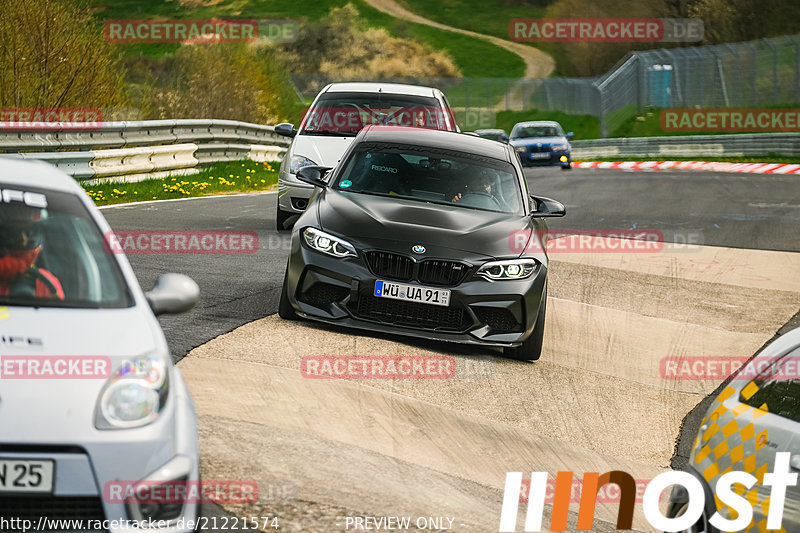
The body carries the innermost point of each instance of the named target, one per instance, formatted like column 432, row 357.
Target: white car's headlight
column 135, row 394
column 559, row 147
column 508, row 269
column 298, row 162
column 328, row 244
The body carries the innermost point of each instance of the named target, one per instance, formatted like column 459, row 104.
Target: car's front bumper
column 293, row 194
column 530, row 159
column 86, row 469
column 340, row 291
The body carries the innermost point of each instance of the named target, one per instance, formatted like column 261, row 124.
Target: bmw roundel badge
column 418, row 249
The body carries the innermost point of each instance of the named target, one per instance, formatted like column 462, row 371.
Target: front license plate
column 26, row 475
column 414, row 293
column 540, row 155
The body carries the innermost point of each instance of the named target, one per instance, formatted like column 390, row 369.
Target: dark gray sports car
column 423, row 233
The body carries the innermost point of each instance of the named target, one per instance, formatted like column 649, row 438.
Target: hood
column 444, row 230
column 322, row 150
column 538, row 140
column 60, row 410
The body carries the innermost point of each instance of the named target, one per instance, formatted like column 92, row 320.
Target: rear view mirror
column 547, row 207
column 570, row 135
column 173, row 293
column 313, row 175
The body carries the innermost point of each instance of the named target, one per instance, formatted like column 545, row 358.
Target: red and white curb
column 714, row 166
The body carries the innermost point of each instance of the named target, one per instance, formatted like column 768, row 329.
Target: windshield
column 525, row 132
column 53, row 255
column 430, row 175
column 348, row 113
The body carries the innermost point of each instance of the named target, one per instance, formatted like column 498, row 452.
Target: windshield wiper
column 330, row 133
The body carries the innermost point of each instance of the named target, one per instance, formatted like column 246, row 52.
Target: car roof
column 537, row 123
column 445, row 140
column 380, row 87
column 19, row 173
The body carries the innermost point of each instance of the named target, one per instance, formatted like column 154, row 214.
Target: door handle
column 794, row 462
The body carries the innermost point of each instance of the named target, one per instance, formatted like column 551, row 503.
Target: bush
column 223, row 81
column 53, row 55
column 339, row 47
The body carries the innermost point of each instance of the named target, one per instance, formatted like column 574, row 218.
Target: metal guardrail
column 733, row 145
column 131, row 151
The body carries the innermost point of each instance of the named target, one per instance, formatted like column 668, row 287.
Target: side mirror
column 173, row 293
column 570, row 135
column 313, row 175
column 504, row 138
column 546, row 207
column 286, row 129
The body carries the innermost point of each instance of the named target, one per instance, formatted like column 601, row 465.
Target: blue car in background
column 541, row 142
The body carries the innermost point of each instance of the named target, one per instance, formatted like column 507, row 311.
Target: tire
column 531, row 348
column 285, row 309
column 568, row 166
column 281, row 217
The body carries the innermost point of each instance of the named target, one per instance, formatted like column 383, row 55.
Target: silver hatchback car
column 337, row 114
column 756, row 416
column 89, row 395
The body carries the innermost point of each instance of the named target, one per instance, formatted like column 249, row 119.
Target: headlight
column 520, row 148
column 298, row 162
column 328, row 244
column 135, row 394
column 559, row 147
column 510, row 269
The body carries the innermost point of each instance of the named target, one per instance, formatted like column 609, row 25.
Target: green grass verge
column 468, row 53
column 490, row 17
column 583, row 126
column 221, row 178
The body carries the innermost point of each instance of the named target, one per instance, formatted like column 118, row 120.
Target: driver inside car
column 21, row 242
column 477, row 184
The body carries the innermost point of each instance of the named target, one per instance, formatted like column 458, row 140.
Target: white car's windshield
column 347, row 113
column 430, row 175
column 53, row 255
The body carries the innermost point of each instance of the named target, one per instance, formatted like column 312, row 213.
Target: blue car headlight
column 520, row 149
column 298, row 162
column 135, row 393
column 559, row 147
column 327, row 243
column 508, row 269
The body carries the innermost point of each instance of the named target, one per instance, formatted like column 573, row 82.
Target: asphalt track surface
column 731, row 210
column 735, row 210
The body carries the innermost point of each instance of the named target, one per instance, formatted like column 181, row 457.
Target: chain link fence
column 762, row 73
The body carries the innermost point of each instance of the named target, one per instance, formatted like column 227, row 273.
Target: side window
column 777, row 389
